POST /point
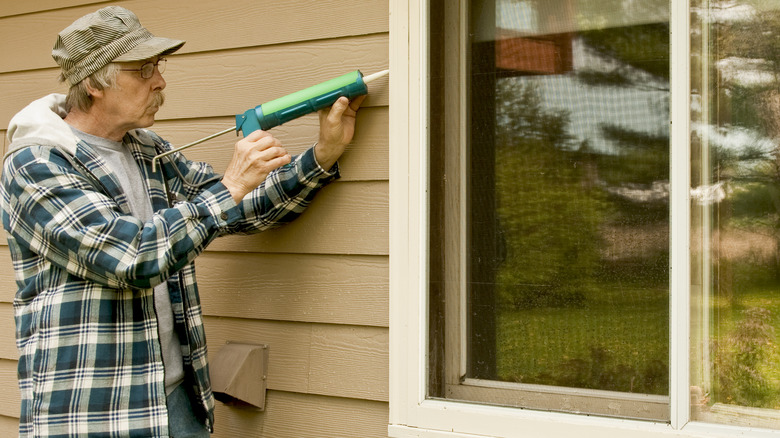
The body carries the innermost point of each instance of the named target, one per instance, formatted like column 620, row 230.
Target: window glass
column 549, row 234
column 735, row 120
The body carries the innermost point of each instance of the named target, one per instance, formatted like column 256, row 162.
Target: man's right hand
column 254, row 157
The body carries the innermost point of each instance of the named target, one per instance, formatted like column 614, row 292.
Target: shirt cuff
column 220, row 205
column 312, row 167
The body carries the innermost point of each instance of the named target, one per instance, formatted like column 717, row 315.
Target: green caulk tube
column 303, row 102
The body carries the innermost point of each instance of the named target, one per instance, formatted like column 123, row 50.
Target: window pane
column 736, row 211
column 549, row 229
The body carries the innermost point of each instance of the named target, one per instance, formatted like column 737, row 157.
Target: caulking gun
column 292, row 106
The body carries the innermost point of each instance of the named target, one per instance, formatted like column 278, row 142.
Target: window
column 549, row 197
column 585, row 200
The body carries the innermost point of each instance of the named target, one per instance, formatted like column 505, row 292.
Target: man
column 108, row 318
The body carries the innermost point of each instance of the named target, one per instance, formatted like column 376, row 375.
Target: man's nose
column 159, row 81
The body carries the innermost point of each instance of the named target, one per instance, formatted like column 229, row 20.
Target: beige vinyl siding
column 315, row 291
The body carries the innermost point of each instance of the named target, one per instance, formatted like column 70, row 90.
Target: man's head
column 88, row 49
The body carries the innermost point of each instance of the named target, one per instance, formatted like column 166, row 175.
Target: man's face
column 134, row 101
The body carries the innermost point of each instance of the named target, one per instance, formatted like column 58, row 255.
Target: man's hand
column 337, row 126
column 255, row 156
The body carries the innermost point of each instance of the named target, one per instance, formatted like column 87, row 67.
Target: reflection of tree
column 639, row 59
column 554, row 195
column 745, row 55
column 644, row 48
column 636, row 171
column 550, row 212
column 559, row 198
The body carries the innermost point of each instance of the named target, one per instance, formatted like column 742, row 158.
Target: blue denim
column 182, row 422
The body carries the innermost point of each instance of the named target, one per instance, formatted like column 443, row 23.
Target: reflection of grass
column 728, row 331
column 629, row 326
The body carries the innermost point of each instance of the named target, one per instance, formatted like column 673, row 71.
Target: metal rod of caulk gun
column 196, row 142
column 365, row 80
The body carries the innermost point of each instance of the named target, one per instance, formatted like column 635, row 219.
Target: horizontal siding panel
column 8, row 343
column 345, row 218
column 19, row 89
column 205, row 25
column 9, row 426
column 365, row 159
column 294, row 347
column 292, row 287
column 360, row 355
column 7, row 279
column 350, row 360
column 15, row 7
column 286, row 414
column 227, row 83
column 290, row 415
column 10, row 403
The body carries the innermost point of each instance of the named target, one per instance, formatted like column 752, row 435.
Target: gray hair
column 78, row 95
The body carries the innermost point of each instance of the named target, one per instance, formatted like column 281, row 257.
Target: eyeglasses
column 147, row 70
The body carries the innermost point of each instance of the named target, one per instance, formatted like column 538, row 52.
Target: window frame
column 411, row 413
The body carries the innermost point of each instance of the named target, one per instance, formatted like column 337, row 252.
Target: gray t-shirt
column 120, row 160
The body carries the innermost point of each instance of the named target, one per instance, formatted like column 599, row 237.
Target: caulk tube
column 300, row 103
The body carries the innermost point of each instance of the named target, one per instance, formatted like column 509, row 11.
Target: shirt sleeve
column 284, row 195
column 55, row 212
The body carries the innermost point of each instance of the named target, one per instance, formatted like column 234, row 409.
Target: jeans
column 182, row 422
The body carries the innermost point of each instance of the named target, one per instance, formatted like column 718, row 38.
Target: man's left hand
column 337, row 126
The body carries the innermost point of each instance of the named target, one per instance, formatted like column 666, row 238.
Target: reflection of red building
column 524, row 55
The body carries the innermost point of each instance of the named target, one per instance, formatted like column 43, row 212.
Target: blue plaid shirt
column 90, row 362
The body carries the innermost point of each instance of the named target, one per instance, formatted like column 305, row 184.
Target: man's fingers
column 259, row 140
column 356, row 102
column 272, row 153
column 280, row 161
column 337, row 109
column 256, row 135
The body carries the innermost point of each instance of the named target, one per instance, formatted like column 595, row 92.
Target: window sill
column 445, row 419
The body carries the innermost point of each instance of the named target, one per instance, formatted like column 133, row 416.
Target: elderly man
column 108, row 318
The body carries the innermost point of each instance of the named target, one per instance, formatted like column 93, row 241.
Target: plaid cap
column 112, row 34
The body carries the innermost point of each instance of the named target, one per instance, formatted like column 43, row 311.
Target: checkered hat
column 112, row 34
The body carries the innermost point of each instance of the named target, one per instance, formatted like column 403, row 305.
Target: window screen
column 549, row 212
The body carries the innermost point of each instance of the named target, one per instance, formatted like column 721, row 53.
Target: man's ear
column 93, row 92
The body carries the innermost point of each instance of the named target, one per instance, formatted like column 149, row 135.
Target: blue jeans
column 182, row 422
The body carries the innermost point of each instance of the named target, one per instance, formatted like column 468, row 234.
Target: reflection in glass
column 558, row 210
column 736, row 211
column 581, row 194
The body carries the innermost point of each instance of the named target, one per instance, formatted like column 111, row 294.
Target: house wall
column 315, row 291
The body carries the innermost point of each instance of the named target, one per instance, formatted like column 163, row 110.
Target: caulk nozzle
column 377, row 75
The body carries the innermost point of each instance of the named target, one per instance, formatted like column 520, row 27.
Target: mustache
column 159, row 98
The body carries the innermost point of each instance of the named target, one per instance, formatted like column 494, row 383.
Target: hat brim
column 150, row 48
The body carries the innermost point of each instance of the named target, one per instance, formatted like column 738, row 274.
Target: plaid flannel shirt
column 90, row 362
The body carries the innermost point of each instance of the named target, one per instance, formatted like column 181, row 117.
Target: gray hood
column 41, row 123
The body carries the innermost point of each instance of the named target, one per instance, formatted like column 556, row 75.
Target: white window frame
column 411, row 414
